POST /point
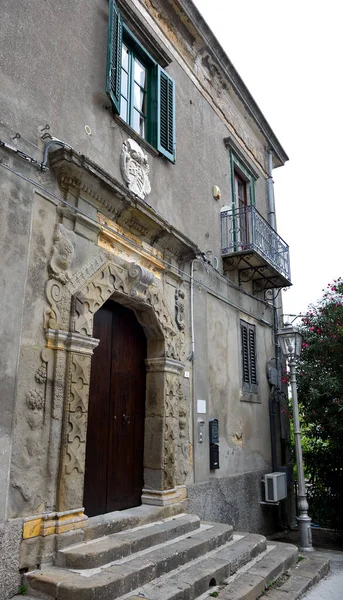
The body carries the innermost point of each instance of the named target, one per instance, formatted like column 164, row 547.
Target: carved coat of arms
column 135, row 168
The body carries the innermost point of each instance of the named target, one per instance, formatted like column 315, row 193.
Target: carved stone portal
column 72, row 307
column 135, row 168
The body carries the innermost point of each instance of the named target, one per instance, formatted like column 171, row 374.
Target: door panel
column 121, row 420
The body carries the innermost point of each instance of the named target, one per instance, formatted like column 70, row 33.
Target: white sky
column 289, row 54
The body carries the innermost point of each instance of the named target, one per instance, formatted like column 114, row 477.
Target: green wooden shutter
column 113, row 77
column 165, row 114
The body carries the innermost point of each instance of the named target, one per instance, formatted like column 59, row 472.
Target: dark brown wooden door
column 115, row 433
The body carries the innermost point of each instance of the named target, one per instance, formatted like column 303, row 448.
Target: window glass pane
column 138, row 123
column 123, row 109
column 139, row 73
column 139, row 98
column 125, row 58
column 124, row 83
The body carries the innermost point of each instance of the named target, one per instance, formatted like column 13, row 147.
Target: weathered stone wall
column 234, row 500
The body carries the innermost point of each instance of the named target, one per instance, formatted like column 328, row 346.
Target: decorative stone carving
column 93, row 295
column 72, row 307
column 135, row 168
column 41, row 375
column 62, row 253
column 182, row 465
column 141, row 279
column 35, row 400
column 77, row 413
column 180, row 308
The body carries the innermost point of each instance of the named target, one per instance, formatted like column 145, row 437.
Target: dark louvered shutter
column 249, row 367
column 114, row 56
column 252, row 356
column 245, row 354
column 165, row 114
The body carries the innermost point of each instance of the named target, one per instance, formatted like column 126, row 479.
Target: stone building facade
column 117, row 204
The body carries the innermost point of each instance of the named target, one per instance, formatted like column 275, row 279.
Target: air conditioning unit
column 275, row 486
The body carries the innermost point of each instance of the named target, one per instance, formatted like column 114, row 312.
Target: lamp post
column 291, row 340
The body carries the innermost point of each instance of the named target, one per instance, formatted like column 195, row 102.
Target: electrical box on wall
column 214, row 444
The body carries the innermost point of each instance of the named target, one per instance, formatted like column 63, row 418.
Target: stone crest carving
column 135, row 169
column 62, row 253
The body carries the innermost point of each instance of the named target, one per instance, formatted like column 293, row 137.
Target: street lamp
column 291, row 340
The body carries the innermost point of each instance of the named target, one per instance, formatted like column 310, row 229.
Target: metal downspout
column 272, row 411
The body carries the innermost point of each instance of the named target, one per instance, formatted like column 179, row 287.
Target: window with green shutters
column 141, row 92
column 249, row 368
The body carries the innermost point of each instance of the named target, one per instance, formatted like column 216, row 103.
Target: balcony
column 254, row 249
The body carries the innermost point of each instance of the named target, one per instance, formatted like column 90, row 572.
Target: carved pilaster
column 161, row 427
column 73, row 352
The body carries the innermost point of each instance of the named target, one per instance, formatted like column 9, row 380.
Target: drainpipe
column 272, row 411
column 192, row 314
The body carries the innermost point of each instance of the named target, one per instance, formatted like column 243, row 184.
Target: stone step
column 124, row 575
column 251, row 582
column 118, row 545
column 299, row 579
column 205, row 574
column 275, row 574
column 121, row 520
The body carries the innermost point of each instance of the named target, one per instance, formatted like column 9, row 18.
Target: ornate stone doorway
column 116, row 411
column 69, row 329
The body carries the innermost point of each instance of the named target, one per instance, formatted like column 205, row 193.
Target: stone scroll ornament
column 140, row 280
column 135, row 169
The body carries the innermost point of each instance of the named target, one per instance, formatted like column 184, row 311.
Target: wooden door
column 115, row 433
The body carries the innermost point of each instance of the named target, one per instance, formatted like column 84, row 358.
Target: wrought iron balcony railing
column 252, row 246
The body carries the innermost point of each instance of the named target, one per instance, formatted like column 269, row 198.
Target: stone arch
column 69, row 323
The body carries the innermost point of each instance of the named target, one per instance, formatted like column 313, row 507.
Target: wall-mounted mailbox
column 214, row 431
column 214, row 444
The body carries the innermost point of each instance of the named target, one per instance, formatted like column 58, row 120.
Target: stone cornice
column 235, row 80
column 78, row 175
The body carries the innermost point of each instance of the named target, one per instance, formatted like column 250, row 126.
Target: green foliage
column 320, row 390
column 22, row 590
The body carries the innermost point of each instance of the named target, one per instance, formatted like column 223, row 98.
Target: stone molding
column 164, row 498
column 54, row 522
column 80, row 177
column 164, row 364
column 69, row 341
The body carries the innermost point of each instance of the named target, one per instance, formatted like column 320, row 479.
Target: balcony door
column 241, row 201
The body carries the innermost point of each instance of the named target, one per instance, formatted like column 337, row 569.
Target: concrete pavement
column 331, row 587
